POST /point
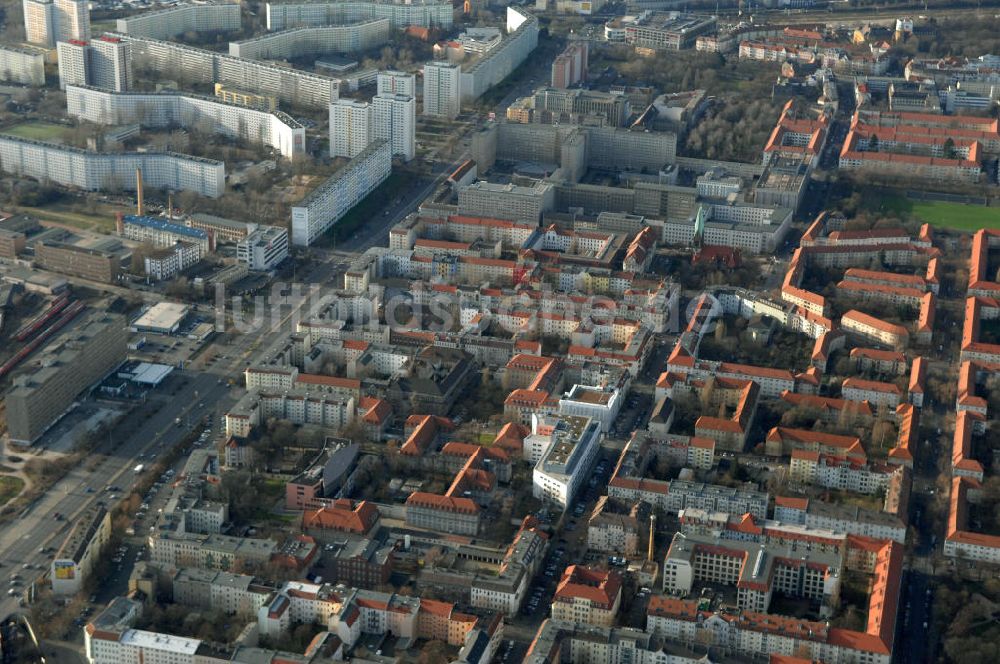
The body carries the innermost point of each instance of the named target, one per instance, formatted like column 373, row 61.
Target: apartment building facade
column 276, row 130
column 326, row 204
column 290, row 86
column 24, row 65
column 81, row 550
column 394, row 120
column 92, row 264
column 174, row 21
column 71, row 363
column 350, row 127
column 314, row 41
column 424, row 13
column 47, row 22
column 442, row 90
column 94, row 171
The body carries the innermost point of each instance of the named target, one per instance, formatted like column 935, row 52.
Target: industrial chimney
column 139, row 208
column 652, row 529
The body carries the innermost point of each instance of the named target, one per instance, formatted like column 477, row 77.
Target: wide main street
column 205, row 393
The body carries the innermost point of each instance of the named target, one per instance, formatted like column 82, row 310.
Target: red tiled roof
column 869, row 385
column 329, row 381
column 791, row 503
column 601, row 588
column 878, row 355
column 875, row 323
column 342, row 515
column 444, row 503
column 918, row 372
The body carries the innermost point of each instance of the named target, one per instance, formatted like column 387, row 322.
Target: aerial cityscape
column 499, row 332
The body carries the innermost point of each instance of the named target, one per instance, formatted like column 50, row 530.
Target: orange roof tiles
column 701, row 443
column 444, row 503
column 601, row 587
column 864, row 287
column 870, row 234
column 329, row 381
column 752, row 372
column 684, row 609
column 530, row 398
column 925, row 318
column 958, row 517
column 512, row 436
column 425, row 429
column 961, row 454
column 342, row 515
column 791, row 503
column 528, row 346
column 376, row 411
column 908, row 418
column 869, row 386
column 878, row 355
column 918, row 374
column 441, row 244
column 827, row 403
column 979, row 261
column 850, row 445
column 875, row 323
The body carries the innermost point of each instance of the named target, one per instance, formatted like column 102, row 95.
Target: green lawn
column 39, row 131
column 10, row 487
column 102, row 220
column 945, row 215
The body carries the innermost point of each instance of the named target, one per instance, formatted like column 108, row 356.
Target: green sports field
column 945, row 215
column 39, row 131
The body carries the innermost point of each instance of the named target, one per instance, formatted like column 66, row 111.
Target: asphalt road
column 22, row 539
column 914, row 618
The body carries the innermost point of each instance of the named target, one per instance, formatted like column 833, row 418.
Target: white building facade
column 350, row 127
column 264, row 248
column 394, row 119
column 328, row 203
column 93, row 171
column 442, row 89
column 276, row 130
column 22, row 65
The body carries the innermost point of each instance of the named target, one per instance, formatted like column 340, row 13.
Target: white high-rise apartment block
column 276, row 130
column 110, row 64
column 50, row 21
column 291, row 86
column 330, row 201
column 313, row 41
column 394, row 119
column 72, row 63
column 396, row 83
column 168, row 23
column 38, row 27
column 23, row 65
column 442, row 89
column 72, row 20
column 498, row 63
column 350, row 127
column 426, row 13
column 96, row 171
column 103, row 63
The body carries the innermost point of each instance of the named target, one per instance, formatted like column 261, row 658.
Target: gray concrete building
column 69, row 365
